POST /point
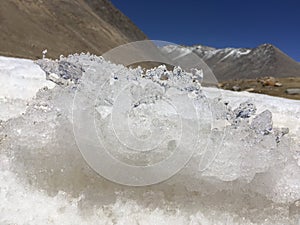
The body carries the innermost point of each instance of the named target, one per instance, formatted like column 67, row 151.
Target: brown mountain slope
column 264, row 60
column 27, row 27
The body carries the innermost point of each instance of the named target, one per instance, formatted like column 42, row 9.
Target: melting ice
column 251, row 174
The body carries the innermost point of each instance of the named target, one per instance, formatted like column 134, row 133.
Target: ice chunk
column 248, row 177
column 262, row 123
column 245, row 110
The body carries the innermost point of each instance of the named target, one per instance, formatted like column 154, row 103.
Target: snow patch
column 20, row 80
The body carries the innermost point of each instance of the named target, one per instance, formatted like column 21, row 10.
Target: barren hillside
column 27, row 27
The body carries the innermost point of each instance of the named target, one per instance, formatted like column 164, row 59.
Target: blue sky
column 228, row 23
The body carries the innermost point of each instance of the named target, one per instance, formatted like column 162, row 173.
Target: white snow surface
column 20, row 79
column 44, row 180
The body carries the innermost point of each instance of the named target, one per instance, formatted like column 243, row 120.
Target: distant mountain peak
column 246, row 63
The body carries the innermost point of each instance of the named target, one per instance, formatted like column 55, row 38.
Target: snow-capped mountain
column 243, row 63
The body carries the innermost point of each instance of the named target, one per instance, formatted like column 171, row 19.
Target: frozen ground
column 253, row 179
